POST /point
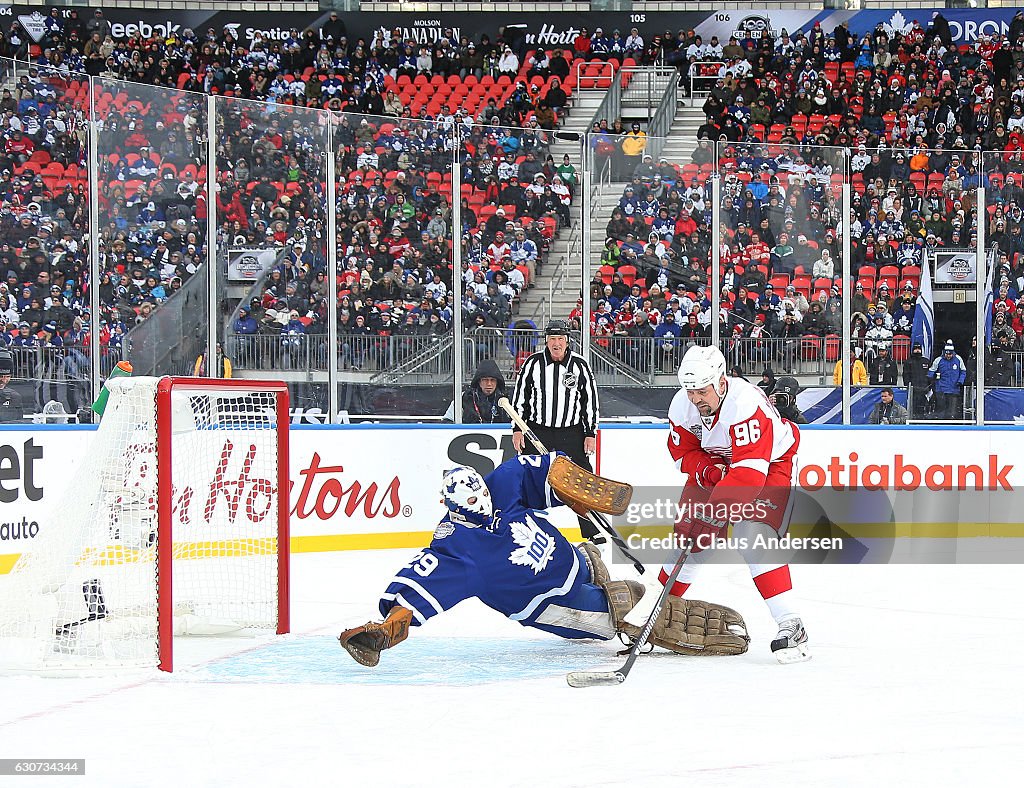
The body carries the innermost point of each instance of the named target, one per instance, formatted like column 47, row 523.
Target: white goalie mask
column 465, row 494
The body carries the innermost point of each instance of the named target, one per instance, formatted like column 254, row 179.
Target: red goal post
column 167, row 388
column 175, row 522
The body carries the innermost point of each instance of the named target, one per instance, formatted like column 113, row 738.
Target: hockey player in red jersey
column 740, row 457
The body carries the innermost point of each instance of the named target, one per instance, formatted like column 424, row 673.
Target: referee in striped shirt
column 556, row 396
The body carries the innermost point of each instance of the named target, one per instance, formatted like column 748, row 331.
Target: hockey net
column 176, row 522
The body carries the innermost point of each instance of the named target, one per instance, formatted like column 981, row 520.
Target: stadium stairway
column 678, row 149
column 557, row 287
column 682, row 138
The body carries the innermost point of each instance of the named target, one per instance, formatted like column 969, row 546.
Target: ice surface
column 916, row 680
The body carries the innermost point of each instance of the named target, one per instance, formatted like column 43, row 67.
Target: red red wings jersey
column 747, row 434
column 759, row 253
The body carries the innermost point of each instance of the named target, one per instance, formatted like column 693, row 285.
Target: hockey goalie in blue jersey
column 497, row 543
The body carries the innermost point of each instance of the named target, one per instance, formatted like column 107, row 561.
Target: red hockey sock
column 678, row 589
column 774, row 581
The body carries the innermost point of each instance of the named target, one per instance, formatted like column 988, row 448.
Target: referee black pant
column 570, row 441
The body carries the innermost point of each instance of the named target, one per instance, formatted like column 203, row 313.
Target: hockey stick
column 604, row 678
column 596, row 520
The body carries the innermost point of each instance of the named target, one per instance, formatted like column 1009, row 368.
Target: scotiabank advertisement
column 366, row 487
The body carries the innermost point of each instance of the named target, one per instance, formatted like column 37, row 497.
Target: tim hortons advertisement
column 372, row 487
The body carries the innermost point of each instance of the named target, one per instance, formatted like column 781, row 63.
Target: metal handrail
column 651, row 78
column 611, row 105
column 436, row 351
column 695, row 77
column 660, row 125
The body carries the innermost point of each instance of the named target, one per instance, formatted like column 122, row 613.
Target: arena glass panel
column 648, row 253
column 916, row 218
column 44, row 303
column 152, row 144
column 394, row 266
column 817, row 350
column 1001, row 309
column 273, row 288
column 521, row 239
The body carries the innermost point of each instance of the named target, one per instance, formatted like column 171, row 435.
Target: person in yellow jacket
column 860, row 373
column 223, row 369
column 633, row 143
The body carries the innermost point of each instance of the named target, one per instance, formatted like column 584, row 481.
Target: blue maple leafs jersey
column 517, row 566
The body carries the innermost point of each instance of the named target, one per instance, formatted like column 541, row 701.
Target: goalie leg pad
column 365, row 643
column 599, row 574
column 690, row 626
column 622, row 597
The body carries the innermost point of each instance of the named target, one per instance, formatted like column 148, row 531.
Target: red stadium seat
column 832, row 348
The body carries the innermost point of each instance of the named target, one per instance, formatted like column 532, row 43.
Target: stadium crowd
column 914, row 121
column 398, row 108
column 906, row 114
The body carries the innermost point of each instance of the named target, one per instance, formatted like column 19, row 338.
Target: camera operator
column 783, row 397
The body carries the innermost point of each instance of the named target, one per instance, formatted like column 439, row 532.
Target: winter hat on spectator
column 948, row 348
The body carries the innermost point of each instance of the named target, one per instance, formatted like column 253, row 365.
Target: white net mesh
column 86, row 596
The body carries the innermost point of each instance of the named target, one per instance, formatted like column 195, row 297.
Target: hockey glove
column 366, row 642
column 699, row 532
column 708, row 474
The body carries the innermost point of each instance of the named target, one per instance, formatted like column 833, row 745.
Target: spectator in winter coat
column 480, row 400
column 888, row 411
column 884, row 371
column 860, row 374
column 949, row 372
column 915, row 378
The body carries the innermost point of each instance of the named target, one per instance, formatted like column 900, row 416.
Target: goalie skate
column 790, row 644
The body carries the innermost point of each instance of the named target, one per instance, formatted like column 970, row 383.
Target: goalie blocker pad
column 584, row 491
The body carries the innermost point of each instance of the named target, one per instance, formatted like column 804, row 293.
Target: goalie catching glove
column 583, row 491
column 685, row 626
column 366, row 642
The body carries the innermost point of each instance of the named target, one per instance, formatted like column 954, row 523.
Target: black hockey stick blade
column 595, row 678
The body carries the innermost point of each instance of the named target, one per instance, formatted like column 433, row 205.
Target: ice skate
column 790, row 645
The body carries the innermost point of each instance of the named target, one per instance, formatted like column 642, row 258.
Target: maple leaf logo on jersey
column 535, row 545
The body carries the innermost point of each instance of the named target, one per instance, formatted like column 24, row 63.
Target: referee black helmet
column 557, row 328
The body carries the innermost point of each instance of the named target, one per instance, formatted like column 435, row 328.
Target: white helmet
column 702, row 366
column 465, row 494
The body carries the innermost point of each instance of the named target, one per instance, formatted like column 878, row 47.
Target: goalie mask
column 466, row 496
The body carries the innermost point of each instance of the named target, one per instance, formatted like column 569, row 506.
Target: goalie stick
column 598, row 520
column 605, row 678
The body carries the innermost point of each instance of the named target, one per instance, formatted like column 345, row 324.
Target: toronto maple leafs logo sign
column 535, row 545
column 897, row 25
